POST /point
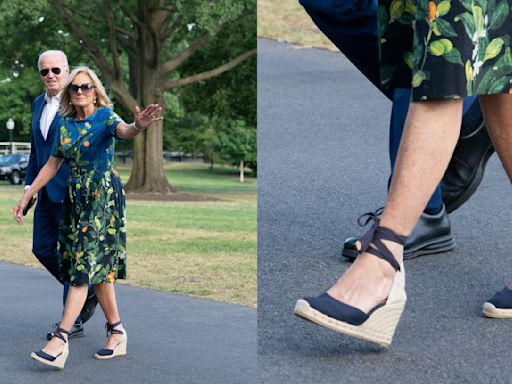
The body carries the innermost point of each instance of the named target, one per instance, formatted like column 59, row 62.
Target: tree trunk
column 241, row 171
column 148, row 172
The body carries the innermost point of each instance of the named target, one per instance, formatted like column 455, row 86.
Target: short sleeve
column 112, row 120
column 57, row 143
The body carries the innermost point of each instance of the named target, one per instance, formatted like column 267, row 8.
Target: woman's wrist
column 137, row 128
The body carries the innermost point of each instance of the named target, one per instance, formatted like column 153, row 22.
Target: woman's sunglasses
column 86, row 88
column 46, row 71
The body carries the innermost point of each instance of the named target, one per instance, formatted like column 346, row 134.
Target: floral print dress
column 446, row 48
column 92, row 239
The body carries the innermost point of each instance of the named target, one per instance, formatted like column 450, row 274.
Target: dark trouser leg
column 352, row 26
column 47, row 215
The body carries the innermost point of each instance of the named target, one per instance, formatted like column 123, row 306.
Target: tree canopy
column 152, row 51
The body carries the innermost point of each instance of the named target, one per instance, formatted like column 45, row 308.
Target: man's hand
column 17, row 211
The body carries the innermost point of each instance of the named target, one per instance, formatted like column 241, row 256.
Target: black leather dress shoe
column 432, row 234
column 89, row 308
column 467, row 166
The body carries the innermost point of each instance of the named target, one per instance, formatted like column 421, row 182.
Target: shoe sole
column 473, row 184
column 378, row 329
column 490, row 310
column 58, row 363
column 431, row 247
column 120, row 350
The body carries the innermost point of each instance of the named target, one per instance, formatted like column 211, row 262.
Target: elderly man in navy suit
column 352, row 26
column 53, row 69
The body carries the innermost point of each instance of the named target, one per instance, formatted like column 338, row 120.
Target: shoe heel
column 120, row 350
column 61, row 360
column 381, row 324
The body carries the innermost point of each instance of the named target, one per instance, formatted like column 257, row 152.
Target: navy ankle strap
column 59, row 333
column 375, row 235
column 110, row 328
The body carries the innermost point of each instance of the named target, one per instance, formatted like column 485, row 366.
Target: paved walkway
column 322, row 162
column 171, row 338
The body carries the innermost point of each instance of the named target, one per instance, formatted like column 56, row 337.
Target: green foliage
column 189, row 110
column 231, row 95
column 187, row 134
column 37, row 28
column 235, row 142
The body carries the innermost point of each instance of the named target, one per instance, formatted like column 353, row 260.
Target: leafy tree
column 230, row 96
column 37, row 29
column 187, row 134
column 140, row 48
column 236, row 144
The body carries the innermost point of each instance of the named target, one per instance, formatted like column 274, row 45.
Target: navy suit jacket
column 41, row 150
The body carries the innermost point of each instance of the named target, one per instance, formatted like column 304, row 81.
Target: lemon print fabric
column 446, row 49
column 92, row 238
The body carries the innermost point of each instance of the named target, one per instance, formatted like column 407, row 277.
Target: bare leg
column 430, row 135
column 107, row 299
column 74, row 303
column 497, row 111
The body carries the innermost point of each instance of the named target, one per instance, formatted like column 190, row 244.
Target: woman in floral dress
column 442, row 51
column 93, row 233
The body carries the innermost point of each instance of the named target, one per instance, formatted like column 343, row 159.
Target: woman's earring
column 94, row 101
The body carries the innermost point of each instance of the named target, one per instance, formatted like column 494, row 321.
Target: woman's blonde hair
column 102, row 100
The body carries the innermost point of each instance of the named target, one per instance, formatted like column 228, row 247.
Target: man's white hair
column 52, row 52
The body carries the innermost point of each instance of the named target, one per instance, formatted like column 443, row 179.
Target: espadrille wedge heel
column 119, row 350
column 500, row 305
column 378, row 325
column 54, row 361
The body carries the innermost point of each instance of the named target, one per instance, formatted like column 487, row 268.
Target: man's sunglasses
column 44, row 72
column 86, row 88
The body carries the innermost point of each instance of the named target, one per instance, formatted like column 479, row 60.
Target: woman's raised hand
column 148, row 116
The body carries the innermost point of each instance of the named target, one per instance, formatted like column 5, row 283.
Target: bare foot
column 368, row 281
column 55, row 346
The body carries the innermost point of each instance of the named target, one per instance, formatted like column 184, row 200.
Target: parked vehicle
column 14, row 167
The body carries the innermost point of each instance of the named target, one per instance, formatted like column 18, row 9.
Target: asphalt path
column 322, row 147
column 172, row 339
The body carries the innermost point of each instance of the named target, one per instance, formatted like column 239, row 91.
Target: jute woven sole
column 490, row 310
column 119, row 350
column 58, row 363
column 379, row 328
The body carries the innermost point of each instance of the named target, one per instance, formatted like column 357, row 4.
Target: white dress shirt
column 47, row 116
column 49, row 112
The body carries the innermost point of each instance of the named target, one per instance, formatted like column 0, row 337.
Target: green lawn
column 204, row 249
column 287, row 20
